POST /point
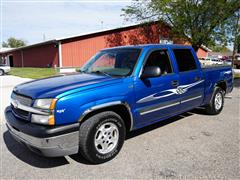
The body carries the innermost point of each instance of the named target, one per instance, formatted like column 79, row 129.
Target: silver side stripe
column 191, row 99
column 159, row 108
column 170, row 105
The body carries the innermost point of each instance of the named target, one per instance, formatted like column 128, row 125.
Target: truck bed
column 214, row 74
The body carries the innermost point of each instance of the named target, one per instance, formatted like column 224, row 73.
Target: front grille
column 22, row 99
column 20, row 113
column 26, row 101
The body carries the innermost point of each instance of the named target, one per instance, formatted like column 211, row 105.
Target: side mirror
column 151, row 71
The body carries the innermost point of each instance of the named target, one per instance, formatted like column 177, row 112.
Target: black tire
column 212, row 108
column 1, row 72
column 87, row 135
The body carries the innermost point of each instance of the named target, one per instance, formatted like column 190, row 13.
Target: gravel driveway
column 192, row 145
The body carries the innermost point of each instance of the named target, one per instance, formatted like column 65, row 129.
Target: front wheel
column 216, row 103
column 101, row 137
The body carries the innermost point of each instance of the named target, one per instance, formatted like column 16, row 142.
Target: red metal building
column 38, row 55
column 75, row 51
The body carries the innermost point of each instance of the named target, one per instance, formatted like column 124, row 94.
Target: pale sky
column 31, row 20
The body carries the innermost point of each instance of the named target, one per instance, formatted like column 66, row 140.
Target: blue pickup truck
column 118, row 90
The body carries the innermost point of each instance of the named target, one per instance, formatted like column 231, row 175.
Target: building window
column 165, row 40
column 2, row 60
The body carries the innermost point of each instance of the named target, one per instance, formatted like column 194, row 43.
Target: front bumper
column 6, row 70
column 44, row 140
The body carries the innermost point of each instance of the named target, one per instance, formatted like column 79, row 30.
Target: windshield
column 113, row 62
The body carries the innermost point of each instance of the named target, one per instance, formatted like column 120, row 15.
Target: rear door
column 191, row 81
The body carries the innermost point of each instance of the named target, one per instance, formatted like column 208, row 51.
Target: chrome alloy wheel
column 218, row 101
column 106, row 138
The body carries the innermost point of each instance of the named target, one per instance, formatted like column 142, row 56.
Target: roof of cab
column 143, row 46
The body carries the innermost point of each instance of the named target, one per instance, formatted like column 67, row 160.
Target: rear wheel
column 217, row 101
column 101, row 137
column 1, row 72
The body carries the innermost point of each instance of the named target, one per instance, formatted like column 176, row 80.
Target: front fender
column 70, row 109
column 70, row 114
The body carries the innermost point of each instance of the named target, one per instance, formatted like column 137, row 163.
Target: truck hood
column 54, row 86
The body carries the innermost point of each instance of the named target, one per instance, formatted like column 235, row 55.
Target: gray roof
column 230, row 53
column 2, row 50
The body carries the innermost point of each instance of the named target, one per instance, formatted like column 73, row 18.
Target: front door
column 10, row 58
column 155, row 97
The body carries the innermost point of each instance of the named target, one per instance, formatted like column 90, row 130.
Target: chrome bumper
column 47, row 141
column 56, row 146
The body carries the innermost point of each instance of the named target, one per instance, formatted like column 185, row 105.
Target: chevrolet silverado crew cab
column 118, row 90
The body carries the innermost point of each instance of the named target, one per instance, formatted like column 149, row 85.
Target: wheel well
column 120, row 109
column 222, row 85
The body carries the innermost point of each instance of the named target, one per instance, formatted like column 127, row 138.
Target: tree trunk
column 195, row 47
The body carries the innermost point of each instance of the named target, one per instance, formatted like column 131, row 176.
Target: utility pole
column 44, row 37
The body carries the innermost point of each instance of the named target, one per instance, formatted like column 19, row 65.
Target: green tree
column 14, row 43
column 238, row 48
column 196, row 21
column 219, row 48
column 236, row 33
column 232, row 31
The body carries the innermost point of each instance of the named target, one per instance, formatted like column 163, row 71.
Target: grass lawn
column 237, row 76
column 33, row 73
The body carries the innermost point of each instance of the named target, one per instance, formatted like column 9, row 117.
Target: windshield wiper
column 101, row 72
column 82, row 71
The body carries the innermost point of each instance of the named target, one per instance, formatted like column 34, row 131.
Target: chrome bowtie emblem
column 180, row 90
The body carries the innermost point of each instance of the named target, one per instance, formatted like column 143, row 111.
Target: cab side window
column 185, row 60
column 161, row 59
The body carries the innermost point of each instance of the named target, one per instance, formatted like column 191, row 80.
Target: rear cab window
column 185, row 60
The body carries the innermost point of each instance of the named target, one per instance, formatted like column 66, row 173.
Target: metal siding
column 76, row 53
column 201, row 53
column 39, row 56
column 17, row 58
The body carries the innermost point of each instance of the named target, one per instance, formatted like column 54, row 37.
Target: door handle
column 175, row 83
column 197, row 78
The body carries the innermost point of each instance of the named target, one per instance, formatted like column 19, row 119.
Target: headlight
column 42, row 119
column 45, row 103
